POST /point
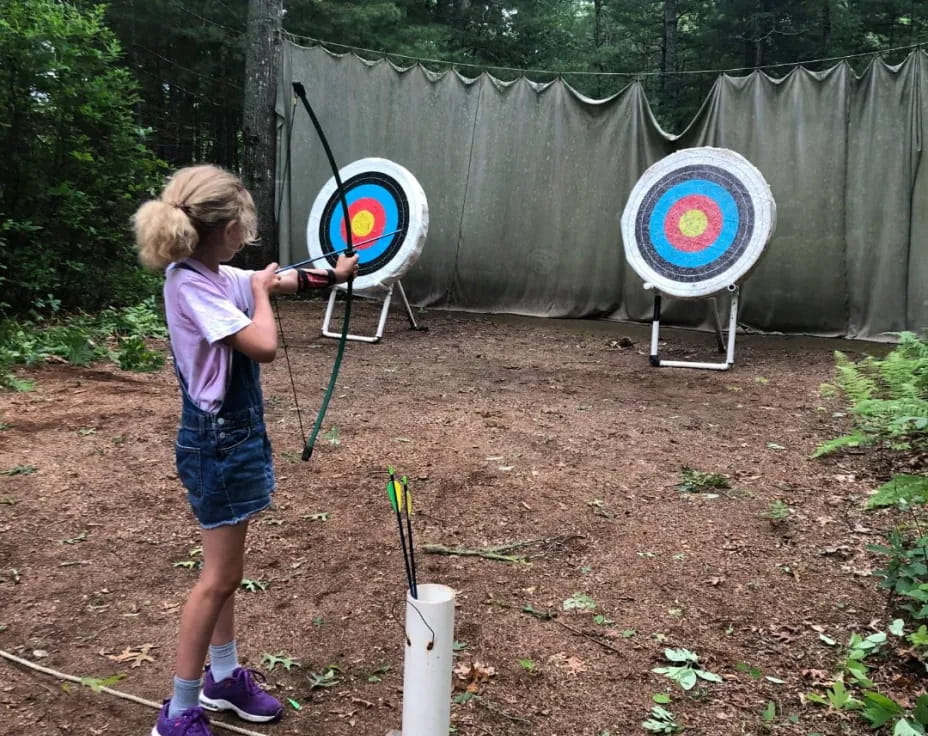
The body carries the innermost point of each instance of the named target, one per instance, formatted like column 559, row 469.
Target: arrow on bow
column 300, row 92
column 335, row 252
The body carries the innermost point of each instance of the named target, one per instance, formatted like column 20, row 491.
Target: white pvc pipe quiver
column 427, row 666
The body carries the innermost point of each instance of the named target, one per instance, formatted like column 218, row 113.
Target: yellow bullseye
column 693, row 223
column 362, row 223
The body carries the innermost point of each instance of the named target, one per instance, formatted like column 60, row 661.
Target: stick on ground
column 110, row 691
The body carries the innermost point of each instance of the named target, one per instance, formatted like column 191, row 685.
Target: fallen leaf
column 817, row 677
column 574, row 666
column 474, row 674
column 134, row 656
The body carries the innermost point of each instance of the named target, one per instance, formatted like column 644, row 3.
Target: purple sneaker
column 241, row 694
column 191, row 722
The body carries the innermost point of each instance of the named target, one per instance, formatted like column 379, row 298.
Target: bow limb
column 300, row 92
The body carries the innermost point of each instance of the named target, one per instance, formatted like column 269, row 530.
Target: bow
column 300, row 92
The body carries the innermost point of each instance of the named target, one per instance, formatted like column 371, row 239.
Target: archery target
column 389, row 220
column 697, row 221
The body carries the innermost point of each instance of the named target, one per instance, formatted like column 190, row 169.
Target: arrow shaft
column 333, row 253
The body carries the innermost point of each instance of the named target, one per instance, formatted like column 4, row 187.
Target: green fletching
column 391, row 494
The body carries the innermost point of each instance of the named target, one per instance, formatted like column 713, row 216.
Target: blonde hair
column 195, row 201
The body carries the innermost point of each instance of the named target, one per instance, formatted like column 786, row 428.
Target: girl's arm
column 289, row 280
column 259, row 339
column 317, row 278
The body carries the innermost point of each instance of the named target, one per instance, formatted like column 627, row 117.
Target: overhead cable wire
column 199, row 97
column 563, row 73
column 173, row 63
column 236, row 31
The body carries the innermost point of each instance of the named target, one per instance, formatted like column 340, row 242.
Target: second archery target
column 697, row 221
column 389, row 221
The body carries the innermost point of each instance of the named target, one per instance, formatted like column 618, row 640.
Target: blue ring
column 730, row 222
column 374, row 250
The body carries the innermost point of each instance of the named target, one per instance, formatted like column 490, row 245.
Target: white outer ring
column 412, row 244
column 765, row 216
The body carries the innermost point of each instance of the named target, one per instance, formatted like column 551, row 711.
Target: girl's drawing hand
column 265, row 281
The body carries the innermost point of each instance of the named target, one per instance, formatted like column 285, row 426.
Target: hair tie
column 183, row 208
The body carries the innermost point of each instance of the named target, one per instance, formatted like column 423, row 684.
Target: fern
column 852, row 379
column 857, row 439
column 888, row 398
column 907, row 489
column 893, row 417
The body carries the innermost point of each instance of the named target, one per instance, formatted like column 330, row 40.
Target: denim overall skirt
column 224, row 459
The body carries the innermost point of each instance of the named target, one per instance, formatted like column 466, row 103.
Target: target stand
column 726, row 344
column 389, row 220
column 385, row 308
column 695, row 225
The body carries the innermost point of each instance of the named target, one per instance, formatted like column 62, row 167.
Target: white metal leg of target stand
column 383, row 315
column 728, row 349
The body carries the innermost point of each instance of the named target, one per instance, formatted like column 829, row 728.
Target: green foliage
column 906, row 572
column 330, row 676
column 579, row 602
column 19, row 470
column 855, row 439
column 116, row 334
column 888, row 398
column 859, row 693
column 132, row 354
column 253, row 586
column 75, row 162
column 838, row 697
column 695, row 481
column 777, row 512
column 901, row 490
column 919, row 639
column 661, row 721
column 685, row 671
column 96, row 684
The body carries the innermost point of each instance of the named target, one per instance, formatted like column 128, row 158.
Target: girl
column 221, row 327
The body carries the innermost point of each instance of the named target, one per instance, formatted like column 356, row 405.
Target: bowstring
column 280, row 324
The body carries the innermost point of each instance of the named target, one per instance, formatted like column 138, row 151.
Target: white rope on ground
column 117, row 693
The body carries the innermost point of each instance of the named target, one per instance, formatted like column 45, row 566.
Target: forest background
column 98, row 102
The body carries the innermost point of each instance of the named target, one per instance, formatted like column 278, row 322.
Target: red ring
column 380, row 220
column 686, row 243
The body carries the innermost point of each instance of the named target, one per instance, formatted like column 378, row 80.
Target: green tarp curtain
column 526, row 184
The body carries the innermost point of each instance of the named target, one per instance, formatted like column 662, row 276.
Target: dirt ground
column 510, row 430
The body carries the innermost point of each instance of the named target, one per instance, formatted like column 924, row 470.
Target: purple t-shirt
column 203, row 309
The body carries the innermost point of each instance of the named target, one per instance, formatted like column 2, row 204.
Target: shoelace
column 193, row 722
column 250, row 676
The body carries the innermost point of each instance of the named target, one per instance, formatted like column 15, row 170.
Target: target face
column 388, row 217
column 697, row 221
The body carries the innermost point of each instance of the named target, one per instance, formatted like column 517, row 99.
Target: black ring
column 333, row 209
column 727, row 181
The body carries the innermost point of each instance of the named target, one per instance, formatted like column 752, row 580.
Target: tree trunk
column 259, row 123
column 597, row 23
column 826, row 27
column 669, row 52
